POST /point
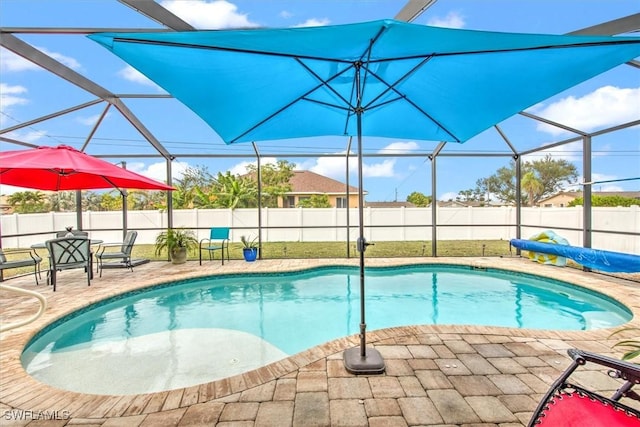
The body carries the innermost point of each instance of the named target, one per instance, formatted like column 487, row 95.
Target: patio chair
column 67, row 253
column 19, row 258
column 218, row 240
column 568, row 404
column 123, row 256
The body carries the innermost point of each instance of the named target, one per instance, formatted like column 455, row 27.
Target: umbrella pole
column 362, row 360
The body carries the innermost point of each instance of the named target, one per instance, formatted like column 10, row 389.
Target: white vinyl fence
column 615, row 229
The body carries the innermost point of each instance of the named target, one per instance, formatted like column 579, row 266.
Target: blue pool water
column 167, row 330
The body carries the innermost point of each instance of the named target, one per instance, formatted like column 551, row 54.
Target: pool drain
column 234, row 361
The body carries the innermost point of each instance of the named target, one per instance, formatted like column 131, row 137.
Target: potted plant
column 249, row 248
column 177, row 241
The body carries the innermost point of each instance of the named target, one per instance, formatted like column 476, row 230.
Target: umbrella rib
column 227, row 49
column 422, row 55
column 392, row 87
column 302, row 97
column 350, row 107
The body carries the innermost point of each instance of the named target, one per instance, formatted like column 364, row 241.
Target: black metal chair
column 123, row 256
column 18, row 258
column 569, row 404
column 67, row 253
column 218, row 241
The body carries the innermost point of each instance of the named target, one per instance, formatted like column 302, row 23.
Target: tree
column 419, row 199
column 275, row 181
column 232, row 192
column 195, row 181
column 552, row 174
column 62, row 201
column 92, row 201
column 110, row 202
column 28, row 202
column 145, row 200
column 315, row 201
column 531, row 186
column 548, row 177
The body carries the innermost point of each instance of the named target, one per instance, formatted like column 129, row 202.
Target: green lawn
column 299, row 250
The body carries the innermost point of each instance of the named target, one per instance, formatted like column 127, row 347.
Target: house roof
column 313, row 183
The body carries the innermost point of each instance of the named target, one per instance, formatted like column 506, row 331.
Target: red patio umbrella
column 64, row 168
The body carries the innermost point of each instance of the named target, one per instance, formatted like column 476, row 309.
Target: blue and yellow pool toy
column 549, row 248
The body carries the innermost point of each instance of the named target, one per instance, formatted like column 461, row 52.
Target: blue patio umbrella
column 382, row 78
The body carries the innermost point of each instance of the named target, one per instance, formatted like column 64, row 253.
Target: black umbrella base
column 370, row 363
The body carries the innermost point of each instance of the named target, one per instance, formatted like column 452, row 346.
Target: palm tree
column 532, row 186
column 28, row 202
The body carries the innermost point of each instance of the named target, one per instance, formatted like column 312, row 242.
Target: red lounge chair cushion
column 575, row 410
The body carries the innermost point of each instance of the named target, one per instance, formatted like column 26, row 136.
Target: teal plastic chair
column 218, row 240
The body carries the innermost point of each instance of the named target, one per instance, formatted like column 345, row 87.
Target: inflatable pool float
column 544, row 257
column 555, row 252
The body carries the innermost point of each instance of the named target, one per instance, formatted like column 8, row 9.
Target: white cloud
column 334, row 167
column 399, row 148
column 378, row 170
column 241, row 168
column 9, row 61
column 158, row 171
column 89, row 120
column 131, row 74
column 11, row 95
column 452, row 20
column 285, row 14
column 606, row 106
column 66, row 60
column 32, row 136
column 204, row 14
column 314, row 22
column 571, row 152
column 600, row 184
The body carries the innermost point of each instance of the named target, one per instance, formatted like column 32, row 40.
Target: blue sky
column 27, row 92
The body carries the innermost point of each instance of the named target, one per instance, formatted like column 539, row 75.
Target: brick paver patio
column 435, row 375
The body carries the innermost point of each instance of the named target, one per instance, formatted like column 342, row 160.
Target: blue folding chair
column 218, row 240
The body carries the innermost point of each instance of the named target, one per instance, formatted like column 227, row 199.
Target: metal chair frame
column 218, row 240
column 570, row 399
column 32, row 260
column 67, row 253
column 124, row 254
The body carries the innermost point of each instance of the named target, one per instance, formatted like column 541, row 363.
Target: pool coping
column 19, row 390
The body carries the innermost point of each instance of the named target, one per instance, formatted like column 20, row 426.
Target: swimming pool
column 199, row 330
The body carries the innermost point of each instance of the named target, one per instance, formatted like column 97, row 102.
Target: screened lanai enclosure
column 104, row 107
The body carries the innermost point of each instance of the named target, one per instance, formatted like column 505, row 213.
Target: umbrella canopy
column 64, row 168
column 383, row 78
column 414, row 81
